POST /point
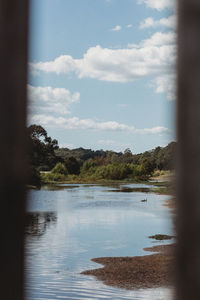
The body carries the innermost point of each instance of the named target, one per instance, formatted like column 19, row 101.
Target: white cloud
column 159, row 4
column 115, row 145
column 154, row 130
column 62, row 64
column 161, row 40
column 166, row 84
column 89, row 124
column 118, row 65
column 148, row 22
column 152, row 57
column 51, row 100
column 129, row 26
column 169, row 22
column 116, row 28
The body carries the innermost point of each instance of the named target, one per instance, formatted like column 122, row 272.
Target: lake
column 68, row 225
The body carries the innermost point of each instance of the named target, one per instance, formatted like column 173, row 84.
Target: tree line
column 64, row 163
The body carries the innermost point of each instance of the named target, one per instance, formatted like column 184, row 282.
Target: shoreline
column 138, row 272
column 156, row 187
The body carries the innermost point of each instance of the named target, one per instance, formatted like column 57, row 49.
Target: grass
column 163, row 188
column 162, row 174
column 51, row 178
column 81, row 180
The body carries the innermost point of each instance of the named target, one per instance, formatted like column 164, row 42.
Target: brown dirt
column 137, row 272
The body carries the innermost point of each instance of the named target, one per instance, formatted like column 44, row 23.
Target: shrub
column 113, row 171
column 51, row 177
column 156, row 173
column 89, row 164
column 59, row 169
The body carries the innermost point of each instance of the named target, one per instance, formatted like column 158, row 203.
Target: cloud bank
column 75, row 123
column 152, row 57
column 49, row 107
column 159, row 4
column 51, row 100
column 169, row 22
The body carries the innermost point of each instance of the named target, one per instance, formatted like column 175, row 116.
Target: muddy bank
column 137, row 272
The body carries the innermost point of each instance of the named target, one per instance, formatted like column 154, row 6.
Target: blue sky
column 102, row 72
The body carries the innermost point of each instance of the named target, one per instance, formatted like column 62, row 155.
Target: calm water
column 69, row 225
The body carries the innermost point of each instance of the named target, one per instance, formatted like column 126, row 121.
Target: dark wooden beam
column 188, row 154
column 13, row 79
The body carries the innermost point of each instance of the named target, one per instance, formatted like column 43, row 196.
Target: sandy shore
column 137, row 272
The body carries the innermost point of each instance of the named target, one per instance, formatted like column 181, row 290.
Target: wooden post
column 13, row 80
column 188, row 154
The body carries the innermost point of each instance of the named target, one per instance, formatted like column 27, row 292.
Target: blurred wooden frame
column 188, row 152
column 13, row 81
column 13, row 78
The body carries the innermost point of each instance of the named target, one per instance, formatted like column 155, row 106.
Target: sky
column 102, row 72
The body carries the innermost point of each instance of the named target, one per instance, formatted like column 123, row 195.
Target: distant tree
column 128, row 151
column 41, row 147
column 72, row 165
column 115, row 159
column 147, row 167
column 127, row 156
column 161, row 157
column 166, row 156
column 41, row 153
column 101, row 160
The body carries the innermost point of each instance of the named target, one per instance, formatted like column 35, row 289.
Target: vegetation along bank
column 51, row 164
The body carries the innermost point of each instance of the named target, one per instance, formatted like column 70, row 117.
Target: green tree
column 72, row 165
column 147, row 167
column 41, row 147
column 127, row 157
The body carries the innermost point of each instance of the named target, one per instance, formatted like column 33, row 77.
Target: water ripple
column 65, row 230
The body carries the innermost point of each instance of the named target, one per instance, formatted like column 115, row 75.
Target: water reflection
column 54, row 187
column 68, row 226
column 36, row 223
